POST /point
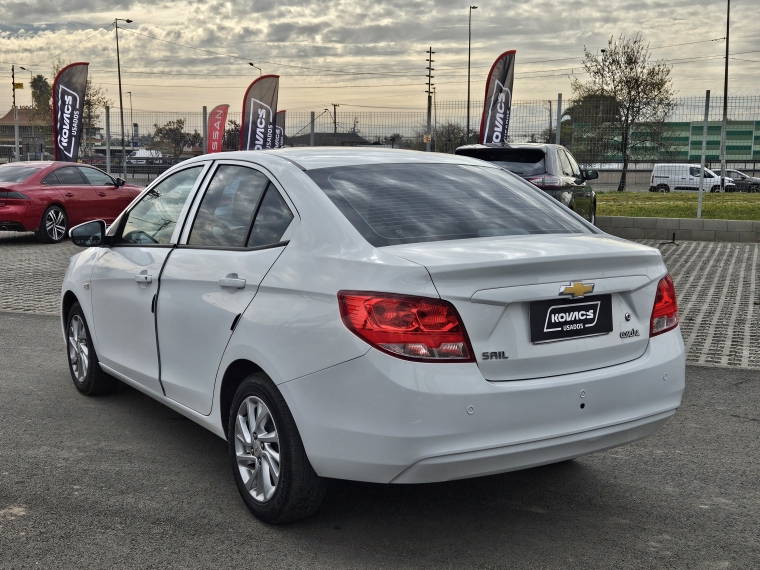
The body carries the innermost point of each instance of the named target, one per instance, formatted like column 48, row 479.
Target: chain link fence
column 590, row 128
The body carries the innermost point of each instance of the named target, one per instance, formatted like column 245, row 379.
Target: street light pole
column 121, row 99
column 131, row 119
column 725, row 109
column 255, row 67
column 469, row 49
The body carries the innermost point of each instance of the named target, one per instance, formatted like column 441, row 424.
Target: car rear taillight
column 545, row 181
column 414, row 328
column 665, row 311
column 6, row 195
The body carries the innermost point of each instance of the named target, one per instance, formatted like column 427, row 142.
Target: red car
column 51, row 197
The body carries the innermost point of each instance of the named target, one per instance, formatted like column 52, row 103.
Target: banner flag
column 259, row 110
column 217, row 120
column 279, row 129
column 494, row 124
column 69, row 89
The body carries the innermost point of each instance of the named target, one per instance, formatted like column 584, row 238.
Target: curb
column 685, row 229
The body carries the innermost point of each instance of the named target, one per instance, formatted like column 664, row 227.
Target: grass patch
column 733, row 206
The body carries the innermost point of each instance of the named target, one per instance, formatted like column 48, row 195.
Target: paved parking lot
column 121, row 481
column 717, row 284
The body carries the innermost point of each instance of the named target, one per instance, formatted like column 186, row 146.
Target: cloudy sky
column 363, row 53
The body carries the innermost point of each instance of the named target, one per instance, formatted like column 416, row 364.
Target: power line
column 70, row 48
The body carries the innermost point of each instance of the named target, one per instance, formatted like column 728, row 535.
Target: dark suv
column 551, row 167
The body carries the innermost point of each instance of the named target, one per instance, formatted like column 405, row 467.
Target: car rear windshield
column 522, row 161
column 393, row 204
column 16, row 173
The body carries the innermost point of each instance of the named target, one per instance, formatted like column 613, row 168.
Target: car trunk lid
column 493, row 282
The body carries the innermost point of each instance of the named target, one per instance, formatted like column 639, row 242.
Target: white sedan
column 375, row 315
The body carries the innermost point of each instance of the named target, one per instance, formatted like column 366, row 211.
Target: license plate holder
column 564, row 319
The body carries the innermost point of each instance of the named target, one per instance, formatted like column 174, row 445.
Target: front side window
column 574, row 168
column 96, row 177
column 693, row 171
column 408, row 203
column 227, row 209
column 564, row 163
column 153, row 219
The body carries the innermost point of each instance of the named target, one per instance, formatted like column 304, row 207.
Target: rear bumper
column 380, row 419
column 18, row 218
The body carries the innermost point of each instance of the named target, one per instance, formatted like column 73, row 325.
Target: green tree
column 232, row 135
column 642, row 90
column 170, row 138
column 95, row 101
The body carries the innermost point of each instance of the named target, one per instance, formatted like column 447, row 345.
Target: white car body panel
column 363, row 414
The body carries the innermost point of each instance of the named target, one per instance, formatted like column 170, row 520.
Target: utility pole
column 704, row 152
column 469, row 46
column 429, row 97
column 15, row 111
column 549, row 139
column 335, row 121
column 121, row 99
column 725, row 110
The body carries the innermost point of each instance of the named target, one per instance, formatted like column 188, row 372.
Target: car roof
column 311, row 158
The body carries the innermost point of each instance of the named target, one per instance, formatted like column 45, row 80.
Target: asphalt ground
column 121, row 481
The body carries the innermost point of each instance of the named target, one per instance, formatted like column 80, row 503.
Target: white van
column 667, row 177
column 145, row 156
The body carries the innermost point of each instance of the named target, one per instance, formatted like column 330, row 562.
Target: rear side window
column 408, row 203
column 69, row 176
column 272, row 219
column 16, row 173
column 522, row 161
column 227, row 209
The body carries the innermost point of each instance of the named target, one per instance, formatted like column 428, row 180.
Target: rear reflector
column 413, row 328
column 665, row 311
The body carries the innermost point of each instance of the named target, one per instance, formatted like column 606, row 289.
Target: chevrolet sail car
column 551, row 167
column 373, row 315
column 50, row 197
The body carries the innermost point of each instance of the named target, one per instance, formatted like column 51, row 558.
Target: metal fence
column 590, row 129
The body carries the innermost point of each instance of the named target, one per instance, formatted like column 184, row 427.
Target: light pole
column 469, row 49
column 256, row 67
column 131, row 119
column 31, row 122
column 725, row 110
column 121, row 99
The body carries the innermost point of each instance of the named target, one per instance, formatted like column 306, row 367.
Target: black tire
column 300, row 490
column 714, row 189
column 663, row 188
column 753, row 188
column 54, row 225
column 94, row 381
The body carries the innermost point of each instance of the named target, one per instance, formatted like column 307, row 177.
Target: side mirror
column 120, row 182
column 88, row 234
column 590, row 174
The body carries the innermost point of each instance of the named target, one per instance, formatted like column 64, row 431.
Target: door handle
column 102, row 194
column 69, row 194
column 232, row 280
column 142, row 278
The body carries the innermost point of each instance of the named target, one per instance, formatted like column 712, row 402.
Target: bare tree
column 95, row 101
column 642, row 91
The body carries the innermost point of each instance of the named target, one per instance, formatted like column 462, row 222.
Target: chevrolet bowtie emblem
column 577, row 289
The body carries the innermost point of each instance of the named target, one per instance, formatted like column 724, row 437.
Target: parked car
column 744, row 182
column 551, row 167
column 50, row 197
column 375, row 315
column 685, row 177
column 145, row 156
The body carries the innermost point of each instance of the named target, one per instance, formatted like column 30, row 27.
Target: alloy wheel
column 257, row 447
column 55, row 224
column 79, row 352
